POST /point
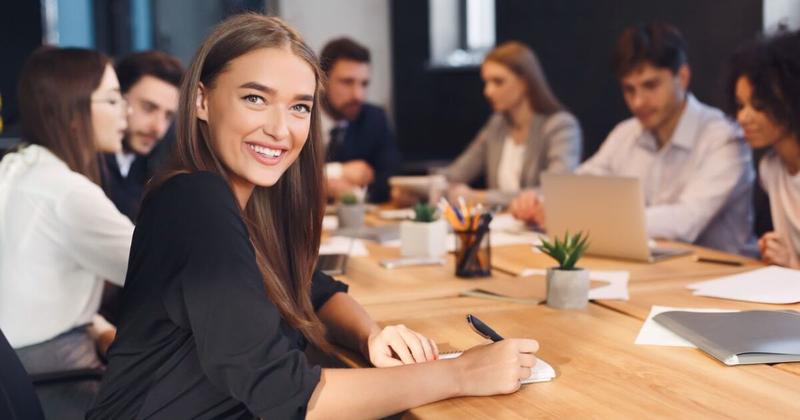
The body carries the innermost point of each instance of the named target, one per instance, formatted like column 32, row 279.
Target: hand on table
column 528, row 207
column 398, row 345
column 774, row 250
column 357, row 172
column 496, row 368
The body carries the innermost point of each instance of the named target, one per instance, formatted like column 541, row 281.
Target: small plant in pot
column 350, row 211
column 567, row 285
column 425, row 235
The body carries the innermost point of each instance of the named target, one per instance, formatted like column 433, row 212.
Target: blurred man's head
column 150, row 81
column 346, row 64
column 651, row 65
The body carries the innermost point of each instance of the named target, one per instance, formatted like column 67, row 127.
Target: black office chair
column 18, row 398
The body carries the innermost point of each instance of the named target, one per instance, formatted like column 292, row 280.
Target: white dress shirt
column 124, row 161
column 784, row 201
column 509, row 173
column 60, row 236
column 697, row 187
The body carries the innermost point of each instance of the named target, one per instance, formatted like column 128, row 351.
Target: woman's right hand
column 496, row 368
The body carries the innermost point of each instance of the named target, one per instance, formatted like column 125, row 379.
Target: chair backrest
column 18, row 400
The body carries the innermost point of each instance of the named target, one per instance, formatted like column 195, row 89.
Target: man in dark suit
column 361, row 150
column 150, row 83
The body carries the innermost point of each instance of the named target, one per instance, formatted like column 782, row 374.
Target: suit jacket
column 126, row 192
column 553, row 145
column 370, row 138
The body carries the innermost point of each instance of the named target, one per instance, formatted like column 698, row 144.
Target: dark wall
column 437, row 113
column 20, row 33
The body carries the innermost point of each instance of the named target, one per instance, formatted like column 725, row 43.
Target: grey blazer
column 554, row 145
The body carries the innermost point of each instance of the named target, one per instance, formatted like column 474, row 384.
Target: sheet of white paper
column 330, row 222
column 772, row 284
column 507, row 223
column 342, row 244
column 654, row 334
column 396, row 214
column 541, row 372
column 617, row 288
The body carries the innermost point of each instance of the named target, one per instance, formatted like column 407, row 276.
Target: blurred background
column 425, row 53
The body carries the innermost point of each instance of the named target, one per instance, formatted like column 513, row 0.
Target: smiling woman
column 222, row 294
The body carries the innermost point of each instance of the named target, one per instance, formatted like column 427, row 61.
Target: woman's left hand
column 398, row 345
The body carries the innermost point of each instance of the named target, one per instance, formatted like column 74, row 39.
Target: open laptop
column 609, row 209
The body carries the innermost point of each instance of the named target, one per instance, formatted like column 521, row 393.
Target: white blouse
column 510, row 167
column 784, row 201
column 60, row 237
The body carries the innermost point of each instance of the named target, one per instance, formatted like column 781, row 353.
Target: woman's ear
column 202, row 103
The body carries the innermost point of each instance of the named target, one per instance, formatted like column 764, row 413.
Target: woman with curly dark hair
column 764, row 89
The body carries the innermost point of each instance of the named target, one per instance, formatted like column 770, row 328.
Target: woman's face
column 760, row 129
column 109, row 113
column 502, row 88
column 258, row 112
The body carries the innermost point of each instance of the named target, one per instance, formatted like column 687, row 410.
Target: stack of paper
column 343, row 245
column 772, row 284
column 616, row 289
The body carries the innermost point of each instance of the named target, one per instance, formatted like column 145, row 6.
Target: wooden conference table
column 601, row 373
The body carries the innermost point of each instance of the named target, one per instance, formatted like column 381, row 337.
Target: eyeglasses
column 119, row 102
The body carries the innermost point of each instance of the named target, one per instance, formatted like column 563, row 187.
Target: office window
column 461, row 31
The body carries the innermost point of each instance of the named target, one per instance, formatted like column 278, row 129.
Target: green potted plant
column 567, row 285
column 350, row 211
column 425, row 235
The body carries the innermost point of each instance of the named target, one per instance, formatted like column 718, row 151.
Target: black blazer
column 370, row 138
column 125, row 192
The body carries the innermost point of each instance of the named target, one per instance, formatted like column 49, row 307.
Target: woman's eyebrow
column 270, row 91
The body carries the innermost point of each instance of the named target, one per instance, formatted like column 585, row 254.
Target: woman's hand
column 496, row 368
column 773, row 250
column 528, row 207
column 397, row 345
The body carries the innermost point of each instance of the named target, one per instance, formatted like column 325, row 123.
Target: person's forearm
column 348, row 322
column 379, row 392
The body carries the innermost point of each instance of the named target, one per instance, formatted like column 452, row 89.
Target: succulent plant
column 424, row 213
column 566, row 251
column 348, row 199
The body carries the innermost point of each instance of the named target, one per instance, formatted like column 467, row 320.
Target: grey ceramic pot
column 567, row 289
column 351, row 215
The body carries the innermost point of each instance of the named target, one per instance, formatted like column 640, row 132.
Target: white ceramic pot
column 567, row 289
column 351, row 215
column 420, row 239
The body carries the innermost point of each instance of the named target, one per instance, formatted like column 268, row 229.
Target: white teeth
column 266, row 151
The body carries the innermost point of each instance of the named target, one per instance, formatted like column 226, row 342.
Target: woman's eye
column 254, row 99
column 301, row 108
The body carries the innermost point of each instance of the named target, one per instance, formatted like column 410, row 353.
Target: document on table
column 343, row 245
column 616, row 289
column 777, row 285
column 330, row 222
column 655, row 334
column 541, row 372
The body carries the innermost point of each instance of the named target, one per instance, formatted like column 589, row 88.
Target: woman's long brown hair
column 522, row 61
column 284, row 221
column 55, row 101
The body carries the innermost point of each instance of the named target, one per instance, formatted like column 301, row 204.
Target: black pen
column 482, row 329
column 718, row 261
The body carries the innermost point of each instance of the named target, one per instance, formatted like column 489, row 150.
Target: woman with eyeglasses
column 60, row 237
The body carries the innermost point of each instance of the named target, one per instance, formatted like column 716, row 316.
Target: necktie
column 335, row 143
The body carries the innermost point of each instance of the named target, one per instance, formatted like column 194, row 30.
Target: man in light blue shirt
column 694, row 167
